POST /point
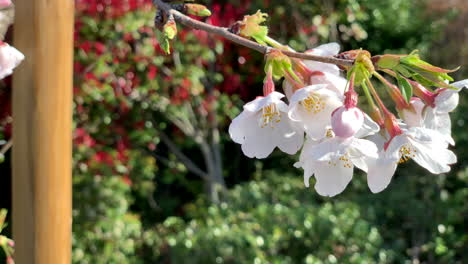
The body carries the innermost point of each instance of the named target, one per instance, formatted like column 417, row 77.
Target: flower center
column 406, row 152
column 270, row 116
column 343, row 160
column 313, row 103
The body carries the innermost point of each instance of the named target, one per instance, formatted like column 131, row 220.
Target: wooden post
column 42, row 129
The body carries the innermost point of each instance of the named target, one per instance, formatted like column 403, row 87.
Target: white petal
column 361, row 163
column 330, row 149
column 413, row 118
column 304, row 92
column 289, row 139
column 287, row 89
column 363, row 148
column 439, row 122
column 461, row 84
column 335, row 82
column 378, row 140
column 329, row 49
column 258, row 144
column 260, row 102
column 393, row 149
column 315, row 125
column 10, row 58
column 369, row 127
column 433, row 158
column 332, row 179
column 308, row 172
column 380, row 174
column 238, row 127
column 306, row 152
column 446, row 101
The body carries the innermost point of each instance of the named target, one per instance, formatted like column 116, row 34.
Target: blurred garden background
column 156, row 178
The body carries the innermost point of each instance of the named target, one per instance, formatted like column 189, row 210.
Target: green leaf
column 405, row 87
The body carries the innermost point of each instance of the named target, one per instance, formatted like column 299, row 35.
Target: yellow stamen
column 270, row 116
column 345, row 159
column 313, row 103
column 407, row 152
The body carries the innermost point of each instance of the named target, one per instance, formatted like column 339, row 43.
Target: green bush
column 103, row 229
column 273, row 221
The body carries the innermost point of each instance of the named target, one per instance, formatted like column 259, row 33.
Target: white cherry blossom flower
column 437, row 117
column 426, row 147
column 329, row 49
column 312, row 107
column 332, row 162
column 9, row 59
column 335, row 82
column 322, row 73
column 263, row 125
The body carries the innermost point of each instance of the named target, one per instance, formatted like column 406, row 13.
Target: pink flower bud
column 347, row 121
column 5, row 3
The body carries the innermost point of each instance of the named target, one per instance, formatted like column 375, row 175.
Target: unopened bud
column 197, row 10
column 346, row 121
column 170, row 29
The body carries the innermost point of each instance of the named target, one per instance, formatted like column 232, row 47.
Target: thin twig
column 223, row 32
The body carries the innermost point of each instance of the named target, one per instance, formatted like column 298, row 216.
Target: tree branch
column 223, row 32
column 189, row 164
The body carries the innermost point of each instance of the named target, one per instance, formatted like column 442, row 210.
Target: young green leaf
column 405, row 87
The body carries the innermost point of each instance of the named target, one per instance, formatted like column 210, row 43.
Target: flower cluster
column 10, row 57
column 321, row 116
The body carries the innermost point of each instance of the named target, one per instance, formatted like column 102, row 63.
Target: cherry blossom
column 437, row 117
column 426, row 147
column 332, row 162
column 311, row 107
column 263, row 125
column 319, row 72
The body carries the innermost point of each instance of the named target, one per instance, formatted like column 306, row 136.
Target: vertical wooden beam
column 42, row 127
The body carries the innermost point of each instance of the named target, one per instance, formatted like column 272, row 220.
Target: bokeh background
column 157, row 180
